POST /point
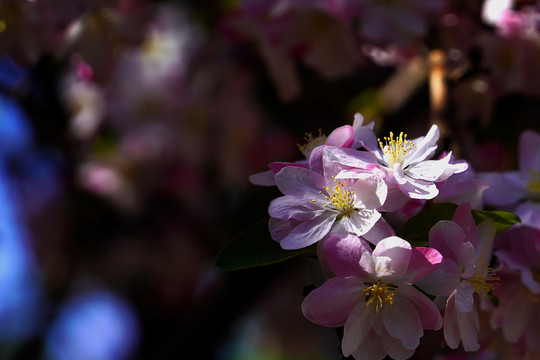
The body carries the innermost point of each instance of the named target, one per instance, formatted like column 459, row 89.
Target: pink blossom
column 408, row 172
column 373, row 296
column 317, row 204
column 464, row 274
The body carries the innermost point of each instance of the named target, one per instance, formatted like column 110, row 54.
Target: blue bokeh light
column 93, row 326
column 20, row 292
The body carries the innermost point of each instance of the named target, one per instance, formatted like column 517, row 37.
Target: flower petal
column 370, row 349
column 279, row 228
column 463, row 217
column 308, row 232
column 430, row 316
column 332, row 302
column 419, row 189
column 394, row 348
column 484, row 247
column 399, row 175
column 364, row 135
column 343, row 253
column 529, row 213
column 343, row 136
column 360, row 221
column 403, row 322
column 515, row 322
column 356, row 328
column 443, row 281
column 450, row 324
column 367, row 263
column 299, row 182
column 370, row 191
column 379, row 231
column 424, row 146
column 349, row 157
column 429, row 170
column 504, row 188
column 316, row 160
column 453, row 167
column 264, row 178
column 399, row 252
column 468, row 328
column 423, row 261
column 464, row 297
column 288, row 207
column 447, row 237
column 395, row 199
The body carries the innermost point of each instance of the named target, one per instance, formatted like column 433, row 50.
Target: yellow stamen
column 311, row 143
column 378, row 295
column 533, row 185
column 339, row 198
column 483, row 279
column 395, row 148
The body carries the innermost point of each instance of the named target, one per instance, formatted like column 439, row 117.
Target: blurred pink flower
column 396, row 22
column 518, row 190
column 286, row 31
column 518, row 252
column 511, row 56
column 150, row 81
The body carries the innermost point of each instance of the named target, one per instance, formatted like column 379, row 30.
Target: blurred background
column 129, row 129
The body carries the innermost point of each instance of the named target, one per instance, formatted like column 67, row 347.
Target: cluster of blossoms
column 386, row 292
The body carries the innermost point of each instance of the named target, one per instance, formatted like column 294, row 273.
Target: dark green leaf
column 503, row 219
column 416, row 229
column 254, row 247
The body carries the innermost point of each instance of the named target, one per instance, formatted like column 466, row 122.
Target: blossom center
column 340, row 198
column 379, row 295
column 395, row 148
column 533, row 185
column 311, row 143
column 483, row 279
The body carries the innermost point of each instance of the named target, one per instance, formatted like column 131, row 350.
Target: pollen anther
column 311, row 142
column 483, row 280
column 339, row 198
column 395, row 148
column 378, row 296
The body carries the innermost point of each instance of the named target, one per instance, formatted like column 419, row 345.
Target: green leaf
column 254, row 247
column 416, row 229
column 503, row 219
